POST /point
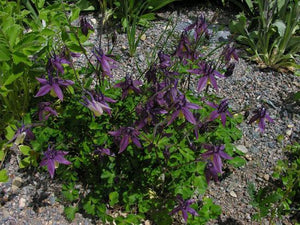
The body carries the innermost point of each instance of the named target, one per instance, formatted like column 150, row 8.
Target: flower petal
column 51, row 167
column 43, row 90
column 58, row 91
column 124, row 143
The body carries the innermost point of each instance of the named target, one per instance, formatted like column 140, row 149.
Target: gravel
column 30, row 195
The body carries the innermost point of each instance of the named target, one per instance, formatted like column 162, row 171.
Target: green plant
column 129, row 143
column 131, row 14
column 282, row 197
column 272, row 37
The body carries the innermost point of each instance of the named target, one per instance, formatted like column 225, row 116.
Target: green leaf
column 3, row 176
column 296, row 96
column 40, row 3
column 19, row 57
column 25, row 149
column 74, row 14
column 187, row 153
column 237, row 162
column 12, row 78
column 201, row 184
column 2, row 154
column 279, row 24
column 4, row 48
column 24, row 162
column 10, row 132
column 12, row 33
column 113, row 198
column 70, row 212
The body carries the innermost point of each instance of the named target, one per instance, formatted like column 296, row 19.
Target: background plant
column 272, row 36
column 282, row 197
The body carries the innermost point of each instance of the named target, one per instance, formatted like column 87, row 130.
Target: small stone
column 123, row 47
column 248, row 157
column 94, row 21
column 242, row 148
column 289, row 132
column 22, row 203
column 143, row 37
column 141, row 58
column 266, row 177
column 147, row 222
column 17, row 182
column 233, row 194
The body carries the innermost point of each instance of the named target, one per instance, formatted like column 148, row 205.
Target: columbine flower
column 98, row 103
column 200, row 27
column 52, row 85
column 211, row 172
column 85, row 26
column 260, row 116
column 221, row 111
column 22, row 133
column 184, row 207
column 183, row 50
column 103, row 151
column 45, row 111
column 129, row 85
column 51, row 159
column 55, row 63
column 215, row 153
column 165, row 60
column 151, row 74
column 183, row 107
column 106, row 63
column 208, row 73
column 128, row 134
column 148, row 114
column 229, row 53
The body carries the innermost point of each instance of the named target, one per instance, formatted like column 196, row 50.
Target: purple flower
column 208, row 73
column 128, row 134
column 106, row 63
column 85, row 26
column 51, row 158
column 260, row 116
column 22, row 133
column 221, row 111
column 211, row 172
column 184, row 207
column 183, row 107
column 215, row 153
column 98, row 103
column 148, row 114
column 45, row 111
column 200, row 27
column 229, row 53
column 129, row 85
column 151, row 74
column 165, row 60
column 55, row 63
column 183, row 50
column 103, row 151
column 52, row 85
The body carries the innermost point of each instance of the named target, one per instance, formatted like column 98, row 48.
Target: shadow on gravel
column 229, row 221
column 38, row 199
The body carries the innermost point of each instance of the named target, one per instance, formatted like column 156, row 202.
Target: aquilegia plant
column 148, row 147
